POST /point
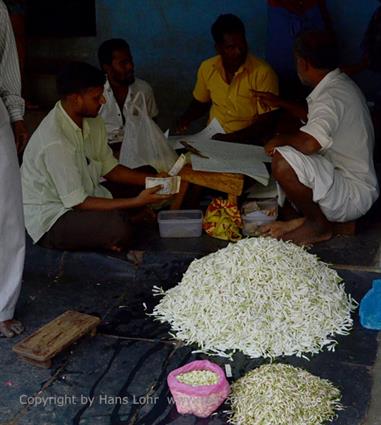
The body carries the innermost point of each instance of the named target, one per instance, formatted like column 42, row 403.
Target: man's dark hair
column 77, row 77
column 226, row 24
column 319, row 48
column 108, row 47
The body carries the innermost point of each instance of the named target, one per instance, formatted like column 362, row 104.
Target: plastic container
column 370, row 307
column 180, row 223
column 251, row 223
column 202, row 400
column 258, row 212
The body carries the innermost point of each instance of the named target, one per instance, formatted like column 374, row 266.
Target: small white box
column 180, row 223
column 257, row 213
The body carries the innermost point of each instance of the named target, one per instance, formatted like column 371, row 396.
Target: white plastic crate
column 180, row 223
column 258, row 212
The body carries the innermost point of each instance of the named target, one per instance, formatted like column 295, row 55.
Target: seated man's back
column 325, row 169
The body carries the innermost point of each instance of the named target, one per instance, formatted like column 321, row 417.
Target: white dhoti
column 12, row 231
column 339, row 198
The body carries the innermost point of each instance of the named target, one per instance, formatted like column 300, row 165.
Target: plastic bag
column 144, row 143
column 202, row 400
column 370, row 307
column 222, row 220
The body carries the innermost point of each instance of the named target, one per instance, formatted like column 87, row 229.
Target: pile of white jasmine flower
column 283, row 395
column 263, row 297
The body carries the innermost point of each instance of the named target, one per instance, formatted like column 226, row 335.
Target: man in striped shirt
column 12, row 233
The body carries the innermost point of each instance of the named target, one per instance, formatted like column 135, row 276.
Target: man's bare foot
column 309, row 233
column 277, row 229
column 116, row 248
column 10, row 328
column 288, row 212
column 135, row 257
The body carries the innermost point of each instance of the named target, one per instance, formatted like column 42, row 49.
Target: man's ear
column 304, row 64
column 218, row 48
column 106, row 68
column 76, row 100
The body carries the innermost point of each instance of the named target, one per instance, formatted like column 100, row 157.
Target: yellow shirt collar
column 246, row 66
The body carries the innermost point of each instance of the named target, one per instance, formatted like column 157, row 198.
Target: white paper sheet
column 204, row 135
column 228, row 157
column 224, row 157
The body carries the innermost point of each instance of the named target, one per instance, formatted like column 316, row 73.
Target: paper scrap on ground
column 226, row 157
column 204, row 135
column 170, row 185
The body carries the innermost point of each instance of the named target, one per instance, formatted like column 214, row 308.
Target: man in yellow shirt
column 225, row 85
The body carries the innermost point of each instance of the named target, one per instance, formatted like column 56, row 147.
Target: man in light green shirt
column 65, row 205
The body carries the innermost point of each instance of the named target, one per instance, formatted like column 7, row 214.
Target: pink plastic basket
column 202, row 400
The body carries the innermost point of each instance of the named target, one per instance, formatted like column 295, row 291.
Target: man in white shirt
column 65, row 205
column 326, row 168
column 12, row 231
column 120, row 89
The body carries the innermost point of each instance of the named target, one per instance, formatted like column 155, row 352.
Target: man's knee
column 280, row 167
column 121, row 232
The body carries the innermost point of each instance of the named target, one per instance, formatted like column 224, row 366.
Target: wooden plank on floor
column 55, row 336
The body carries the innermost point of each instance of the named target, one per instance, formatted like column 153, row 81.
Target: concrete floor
column 132, row 355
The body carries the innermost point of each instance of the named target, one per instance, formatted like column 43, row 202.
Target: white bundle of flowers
column 283, row 395
column 261, row 296
column 198, row 377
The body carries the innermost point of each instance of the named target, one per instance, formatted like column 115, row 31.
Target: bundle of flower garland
column 261, row 296
column 283, row 395
column 198, row 377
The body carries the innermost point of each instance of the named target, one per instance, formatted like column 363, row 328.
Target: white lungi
column 339, row 198
column 12, row 231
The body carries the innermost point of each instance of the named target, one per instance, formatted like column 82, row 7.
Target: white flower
column 261, row 296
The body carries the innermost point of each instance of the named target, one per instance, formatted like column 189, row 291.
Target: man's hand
column 267, row 100
column 194, row 111
column 272, row 144
column 149, row 196
column 182, row 126
column 228, row 137
column 21, row 135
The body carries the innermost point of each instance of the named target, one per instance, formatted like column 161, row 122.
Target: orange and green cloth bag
column 222, row 220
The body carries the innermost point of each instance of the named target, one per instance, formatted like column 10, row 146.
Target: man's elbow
column 310, row 148
column 82, row 206
column 79, row 207
column 114, row 173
